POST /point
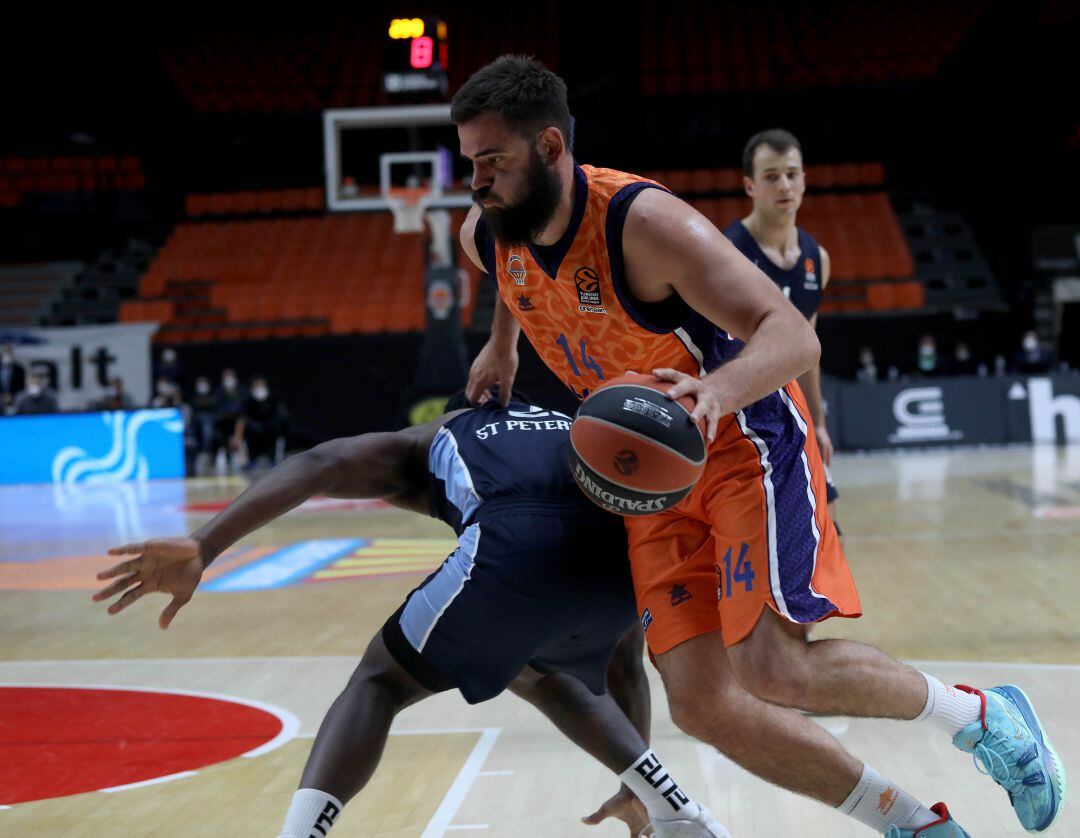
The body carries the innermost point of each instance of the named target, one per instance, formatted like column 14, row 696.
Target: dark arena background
column 228, row 235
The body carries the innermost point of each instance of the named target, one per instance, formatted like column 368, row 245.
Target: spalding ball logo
column 626, row 462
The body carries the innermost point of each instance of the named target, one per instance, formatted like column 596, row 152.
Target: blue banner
column 113, row 447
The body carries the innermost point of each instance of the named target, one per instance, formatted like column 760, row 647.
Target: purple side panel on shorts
column 796, row 544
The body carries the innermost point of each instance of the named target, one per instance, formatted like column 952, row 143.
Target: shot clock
column 415, row 56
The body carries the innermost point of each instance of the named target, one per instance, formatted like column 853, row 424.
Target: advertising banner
column 79, row 361
column 75, row 448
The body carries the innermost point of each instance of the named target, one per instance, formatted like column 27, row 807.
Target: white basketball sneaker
column 703, row 826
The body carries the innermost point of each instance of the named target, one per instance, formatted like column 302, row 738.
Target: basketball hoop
column 408, row 203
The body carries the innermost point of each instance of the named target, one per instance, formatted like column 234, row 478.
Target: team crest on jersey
column 811, row 273
column 516, row 268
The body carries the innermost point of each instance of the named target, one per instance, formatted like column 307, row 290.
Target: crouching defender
column 535, row 599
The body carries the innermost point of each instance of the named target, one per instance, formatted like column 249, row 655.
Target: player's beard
column 521, row 222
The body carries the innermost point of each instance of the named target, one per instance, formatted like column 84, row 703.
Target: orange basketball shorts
column 754, row 532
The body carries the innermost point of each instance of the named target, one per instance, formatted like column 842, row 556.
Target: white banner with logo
column 80, row 361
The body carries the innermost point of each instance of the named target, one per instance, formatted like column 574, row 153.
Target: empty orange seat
column 910, row 295
column 880, row 297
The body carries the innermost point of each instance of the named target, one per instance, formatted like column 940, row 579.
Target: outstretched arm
column 378, row 465
column 391, row 466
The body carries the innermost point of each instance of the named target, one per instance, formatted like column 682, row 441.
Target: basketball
column 633, row 450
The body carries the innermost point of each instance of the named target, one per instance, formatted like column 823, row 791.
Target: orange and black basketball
column 633, row 450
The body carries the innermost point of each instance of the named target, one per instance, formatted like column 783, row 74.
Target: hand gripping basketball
column 633, row 450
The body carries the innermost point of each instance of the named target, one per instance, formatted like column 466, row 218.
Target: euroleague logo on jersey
column 811, row 273
column 587, row 282
column 516, row 268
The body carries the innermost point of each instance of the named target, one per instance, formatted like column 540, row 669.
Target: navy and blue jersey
column 494, row 453
column 540, row 576
column 800, row 283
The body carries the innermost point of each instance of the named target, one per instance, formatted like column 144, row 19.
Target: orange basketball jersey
column 752, row 532
column 573, row 302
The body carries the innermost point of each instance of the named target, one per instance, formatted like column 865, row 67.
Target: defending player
column 534, row 599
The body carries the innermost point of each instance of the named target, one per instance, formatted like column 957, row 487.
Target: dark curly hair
column 525, row 93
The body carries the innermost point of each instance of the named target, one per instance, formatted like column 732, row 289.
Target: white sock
column 311, row 814
column 948, row 707
column 650, row 781
column 879, row 804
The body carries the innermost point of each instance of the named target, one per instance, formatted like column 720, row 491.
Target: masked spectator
column 867, row 373
column 115, row 398
column 36, row 397
column 927, row 362
column 963, row 363
column 166, row 394
column 169, row 366
column 204, row 406
column 263, row 424
column 1031, row 358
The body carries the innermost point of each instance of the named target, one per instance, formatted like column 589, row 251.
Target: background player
column 623, row 275
column 534, row 599
column 774, row 178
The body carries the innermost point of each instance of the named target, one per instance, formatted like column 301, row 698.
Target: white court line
column 152, row 782
column 440, row 821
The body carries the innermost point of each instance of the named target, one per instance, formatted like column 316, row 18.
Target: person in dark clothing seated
column 36, row 398
column 1031, row 358
column 263, row 424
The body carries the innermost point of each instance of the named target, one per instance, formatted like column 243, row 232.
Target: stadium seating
column 846, row 210
column 21, row 176
column 236, row 274
column 700, row 47
column 283, row 277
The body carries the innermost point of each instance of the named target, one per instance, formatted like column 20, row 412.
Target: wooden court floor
column 967, row 562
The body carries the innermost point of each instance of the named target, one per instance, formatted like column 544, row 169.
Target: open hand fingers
column 127, row 599
column 714, row 421
column 475, row 391
column 130, row 566
column 668, row 374
column 178, row 601
column 687, row 386
column 128, row 549
column 116, row 587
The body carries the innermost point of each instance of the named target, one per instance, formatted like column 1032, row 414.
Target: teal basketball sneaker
column 1010, row 744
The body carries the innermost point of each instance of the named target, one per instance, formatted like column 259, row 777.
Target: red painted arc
column 58, row 741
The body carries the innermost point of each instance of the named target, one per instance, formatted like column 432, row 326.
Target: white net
column 408, row 206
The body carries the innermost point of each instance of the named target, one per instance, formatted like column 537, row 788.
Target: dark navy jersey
column 801, row 283
column 492, row 454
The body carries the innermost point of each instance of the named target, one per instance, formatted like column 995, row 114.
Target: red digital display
column 422, row 53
